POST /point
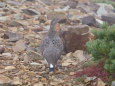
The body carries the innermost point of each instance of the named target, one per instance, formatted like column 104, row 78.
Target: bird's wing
column 52, row 54
column 45, row 44
column 58, row 43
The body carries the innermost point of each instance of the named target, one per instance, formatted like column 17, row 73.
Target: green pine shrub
column 103, row 47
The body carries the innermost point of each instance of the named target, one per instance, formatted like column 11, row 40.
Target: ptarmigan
column 52, row 46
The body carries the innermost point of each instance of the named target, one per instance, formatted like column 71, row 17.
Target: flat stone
column 7, row 54
column 59, row 15
column 20, row 46
column 2, row 4
column 12, row 37
column 13, row 2
column 89, row 20
column 29, row 12
column 9, row 68
column 15, row 24
column 4, row 80
column 104, row 9
column 4, row 18
column 1, row 49
column 71, row 4
column 79, row 54
column 109, row 18
column 74, row 37
column 113, row 83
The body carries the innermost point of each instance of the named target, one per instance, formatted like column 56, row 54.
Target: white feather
column 51, row 66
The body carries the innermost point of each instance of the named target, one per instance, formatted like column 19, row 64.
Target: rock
column 79, row 54
column 15, row 24
column 71, row 4
column 42, row 19
column 89, row 20
column 72, row 73
column 65, row 9
column 16, row 81
column 29, row 12
column 100, row 83
column 38, row 29
column 75, row 37
column 88, row 7
column 39, row 84
column 18, row 16
column 113, row 83
column 13, row 2
column 4, row 18
column 1, row 49
column 54, row 14
column 7, row 54
column 67, row 62
column 47, row 2
column 88, row 79
column 4, row 81
column 36, row 64
column 109, row 18
column 34, row 55
column 104, row 9
column 2, row 71
column 20, row 46
column 9, row 68
column 2, row 4
column 99, row 21
column 12, row 37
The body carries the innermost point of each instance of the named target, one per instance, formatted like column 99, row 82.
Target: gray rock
column 4, row 81
column 18, row 16
column 15, row 24
column 2, row 4
column 7, row 54
column 88, row 7
column 71, row 4
column 54, row 14
column 4, row 18
column 114, row 10
column 110, row 18
column 1, row 49
column 113, row 83
column 20, row 46
column 47, row 2
column 29, row 12
column 13, row 2
column 104, row 9
column 12, row 37
column 89, row 20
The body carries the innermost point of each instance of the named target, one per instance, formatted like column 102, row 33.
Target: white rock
column 7, row 54
column 38, row 84
column 9, row 68
column 113, row 83
column 4, row 18
column 4, row 79
column 79, row 54
column 34, row 63
column 104, row 9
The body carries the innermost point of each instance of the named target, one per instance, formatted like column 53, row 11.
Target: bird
column 52, row 46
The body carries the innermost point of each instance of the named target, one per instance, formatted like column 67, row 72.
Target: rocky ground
column 24, row 23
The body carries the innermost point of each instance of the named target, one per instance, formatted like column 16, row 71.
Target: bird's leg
column 51, row 69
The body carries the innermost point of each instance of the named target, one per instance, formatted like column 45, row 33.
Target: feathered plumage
column 52, row 45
